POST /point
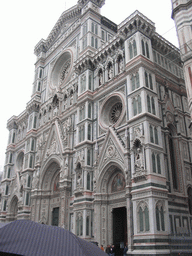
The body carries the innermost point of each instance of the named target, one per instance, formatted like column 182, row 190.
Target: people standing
column 108, row 250
column 125, row 250
column 112, row 250
column 102, row 248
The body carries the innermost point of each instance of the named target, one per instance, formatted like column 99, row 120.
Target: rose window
column 116, row 112
column 112, row 110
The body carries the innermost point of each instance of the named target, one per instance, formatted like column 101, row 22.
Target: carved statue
column 100, row 78
column 139, row 159
column 110, row 72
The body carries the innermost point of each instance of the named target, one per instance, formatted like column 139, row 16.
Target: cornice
column 137, row 22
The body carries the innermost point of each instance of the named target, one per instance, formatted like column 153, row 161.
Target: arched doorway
column 113, row 228
column 50, row 203
column 14, row 208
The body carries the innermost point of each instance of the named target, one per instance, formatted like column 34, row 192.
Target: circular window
column 112, row 110
column 116, row 112
column 62, row 69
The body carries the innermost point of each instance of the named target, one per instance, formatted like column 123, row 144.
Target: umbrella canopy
column 28, row 238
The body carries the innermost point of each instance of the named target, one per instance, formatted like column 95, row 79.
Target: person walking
column 102, row 248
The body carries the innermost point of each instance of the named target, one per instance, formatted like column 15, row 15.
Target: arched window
column 92, row 41
column 90, row 81
column 189, row 192
column 96, row 43
column 27, row 199
column 88, row 157
column 143, row 215
column 13, row 139
column 89, row 132
column 173, row 161
column 32, row 144
column 81, row 225
column 31, row 162
column 156, row 135
column 147, row 49
column 10, row 158
column 5, row 205
column 39, row 86
column 133, row 82
column 137, row 80
column 40, row 73
column 89, row 110
column 29, row 181
column 157, row 219
column 158, row 164
column 139, row 104
column 9, row 173
column 150, row 82
column 153, row 105
column 146, row 213
column 130, row 51
column 77, row 223
column 146, row 79
column 6, row 190
column 154, row 163
column 141, row 228
column 134, row 107
column 83, row 83
column 151, row 134
column 148, row 104
column 134, row 48
column 87, row 226
column 88, row 181
column 160, row 222
column 143, row 47
column 162, row 219
column 35, row 122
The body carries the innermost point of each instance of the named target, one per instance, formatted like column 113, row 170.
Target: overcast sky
column 22, row 25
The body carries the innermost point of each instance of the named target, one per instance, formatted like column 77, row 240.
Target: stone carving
column 139, row 171
column 100, row 77
column 35, row 182
column 110, row 72
column 120, row 65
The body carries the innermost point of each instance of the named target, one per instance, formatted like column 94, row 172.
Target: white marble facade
column 103, row 147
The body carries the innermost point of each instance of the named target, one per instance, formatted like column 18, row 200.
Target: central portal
column 119, row 229
column 55, row 217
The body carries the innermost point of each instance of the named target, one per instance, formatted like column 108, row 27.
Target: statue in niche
column 110, row 71
column 139, row 171
column 100, row 77
column 139, row 158
column 78, row 175
column 35, row 181
column 120, row 65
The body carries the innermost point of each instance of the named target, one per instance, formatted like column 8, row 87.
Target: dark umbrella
column 28, row 238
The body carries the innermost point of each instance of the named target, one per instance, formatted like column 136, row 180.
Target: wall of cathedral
column 106, row 132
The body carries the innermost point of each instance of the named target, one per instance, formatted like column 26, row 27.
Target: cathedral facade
column 103, row 147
